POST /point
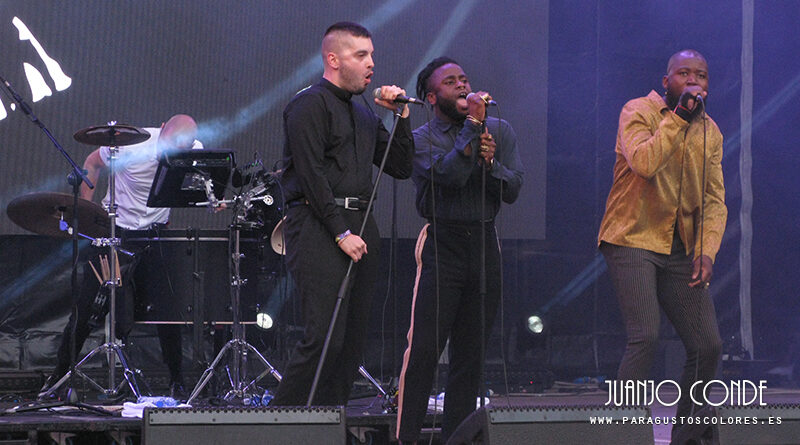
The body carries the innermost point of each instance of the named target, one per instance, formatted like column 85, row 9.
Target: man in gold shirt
column 664, row 221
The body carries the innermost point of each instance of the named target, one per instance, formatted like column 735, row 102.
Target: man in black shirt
column 452, row 150
column 331, row 144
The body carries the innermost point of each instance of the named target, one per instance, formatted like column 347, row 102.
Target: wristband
column 683, row 112
column 340, row 237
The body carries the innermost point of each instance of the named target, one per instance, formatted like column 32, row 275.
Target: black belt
column 352, row 203
column 467, row 223
column 349, row 203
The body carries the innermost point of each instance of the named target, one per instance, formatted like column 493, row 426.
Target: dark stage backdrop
column 235, row 65
column 561, row 72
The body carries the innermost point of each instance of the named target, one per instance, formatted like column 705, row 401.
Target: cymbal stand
column 237, row 346
column 111, row 347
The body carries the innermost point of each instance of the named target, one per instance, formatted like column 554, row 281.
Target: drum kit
column 256, row 210
column 52, row 214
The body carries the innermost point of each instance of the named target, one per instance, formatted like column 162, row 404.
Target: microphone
column 22, row 104
column 401, row 98
column 488, row 102
column 700, row 102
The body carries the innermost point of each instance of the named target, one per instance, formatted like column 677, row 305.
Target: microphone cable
column 434, row 230
column 702, row 221
column 391, row 281
column 391, row 278
column 501, row 272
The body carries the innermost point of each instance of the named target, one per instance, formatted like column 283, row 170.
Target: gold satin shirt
column 658, row 178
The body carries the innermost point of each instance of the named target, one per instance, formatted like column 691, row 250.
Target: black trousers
column 455, row 315
column 318, row 266
column 645, row 281
column 90, row 315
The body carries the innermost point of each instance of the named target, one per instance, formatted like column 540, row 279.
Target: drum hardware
column 188, row 167
column 113, row 136
column 261, row 209
column 208, row 187
column 237, row 346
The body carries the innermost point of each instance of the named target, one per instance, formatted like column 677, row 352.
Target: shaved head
column 347, row 56
column 334, row 42
column 178, row 132
column 684, row 54
column 687, row 71
column 335, row 38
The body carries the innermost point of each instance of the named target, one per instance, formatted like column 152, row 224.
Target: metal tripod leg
column 270, row 369
column 388, row 404
column 238, row 348
column 112, row 351
column 374, row 382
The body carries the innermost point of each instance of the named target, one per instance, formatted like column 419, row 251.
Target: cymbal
column 276, row 239
column 112, row 135
column 42, row 212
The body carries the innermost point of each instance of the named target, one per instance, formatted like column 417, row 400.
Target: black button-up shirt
column 331, row 145
column 457, row 177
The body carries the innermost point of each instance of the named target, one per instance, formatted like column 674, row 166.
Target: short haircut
column 351, row 28
column 425, row 74
column 685, row 52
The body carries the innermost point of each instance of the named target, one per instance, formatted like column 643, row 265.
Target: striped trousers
column 454, row 315
column 646, row 281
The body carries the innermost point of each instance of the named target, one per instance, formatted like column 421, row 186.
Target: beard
column 672, row 101
column 353, row 82
column 357, row 88
column 450, row 109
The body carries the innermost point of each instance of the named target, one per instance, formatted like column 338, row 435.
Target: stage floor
column 366, row 418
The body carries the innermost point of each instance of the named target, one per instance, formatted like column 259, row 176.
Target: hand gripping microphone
column 488, row 102
column 401, row 98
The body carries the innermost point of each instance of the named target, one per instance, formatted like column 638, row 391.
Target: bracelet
column 474, row 120
column 340, row 237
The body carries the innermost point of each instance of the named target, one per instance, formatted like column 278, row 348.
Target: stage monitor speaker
column 756, row 425
column 597, row 425
column 280, row 425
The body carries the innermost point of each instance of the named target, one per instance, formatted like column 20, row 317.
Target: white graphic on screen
column 39, row 88
column 36, row 81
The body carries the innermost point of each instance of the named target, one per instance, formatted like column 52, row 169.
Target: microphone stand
column 344, row 288
column 75, row 178
column 482, row 280
column 393, row 270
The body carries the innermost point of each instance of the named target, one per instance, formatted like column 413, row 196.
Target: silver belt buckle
column 347, row 202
